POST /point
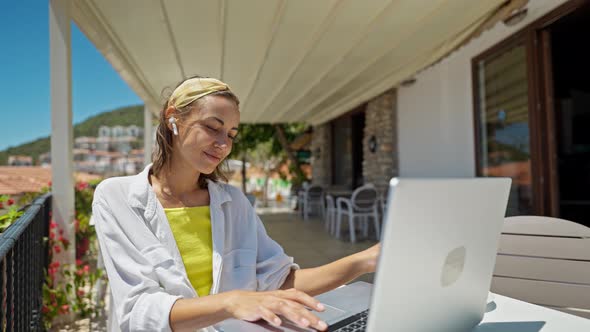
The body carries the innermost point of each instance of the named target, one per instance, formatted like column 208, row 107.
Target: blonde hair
column 164, row 137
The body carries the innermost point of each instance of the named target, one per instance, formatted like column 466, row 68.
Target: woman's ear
column 170, row 111
column 171, row 119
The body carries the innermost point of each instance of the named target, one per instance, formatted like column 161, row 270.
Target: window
column 502, row 123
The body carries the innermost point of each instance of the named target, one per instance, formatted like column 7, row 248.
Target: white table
column 508, row 314
column 503, row 314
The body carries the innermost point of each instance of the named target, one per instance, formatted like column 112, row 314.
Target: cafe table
column 503, row 314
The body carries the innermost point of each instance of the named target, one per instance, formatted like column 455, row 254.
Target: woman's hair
column 164, row 136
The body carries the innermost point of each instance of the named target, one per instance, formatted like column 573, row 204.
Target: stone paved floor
column 307, row 241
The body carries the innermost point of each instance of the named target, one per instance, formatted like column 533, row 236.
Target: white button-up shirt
column 144, row 267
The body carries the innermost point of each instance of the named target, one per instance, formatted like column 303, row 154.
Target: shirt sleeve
column 272, row 264
column 140, row 303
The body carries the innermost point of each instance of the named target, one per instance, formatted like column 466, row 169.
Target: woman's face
column 206, row 133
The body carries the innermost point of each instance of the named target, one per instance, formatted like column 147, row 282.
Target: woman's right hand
column 253, row 306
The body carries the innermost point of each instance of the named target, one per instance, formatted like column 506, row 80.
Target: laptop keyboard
column 354, row 323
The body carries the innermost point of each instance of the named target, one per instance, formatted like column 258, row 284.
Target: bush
column 9, row 212
column 68, row 287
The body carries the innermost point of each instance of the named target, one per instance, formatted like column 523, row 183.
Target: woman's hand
column 252, row 306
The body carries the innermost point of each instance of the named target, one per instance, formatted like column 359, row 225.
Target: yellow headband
column 193, row 89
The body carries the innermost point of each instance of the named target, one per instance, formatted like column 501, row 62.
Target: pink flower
column 81, row 186
column 65, row 242
column 64, row 308
column 79, row 273
column 51, row 235
column 10, row 202
column 52, row 224
column 61, row 232
column 86, row 268
column 78, row 262
column 81, row 292
column 57, row 249
column 55, row 264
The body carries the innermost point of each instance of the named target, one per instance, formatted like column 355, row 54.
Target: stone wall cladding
column 381, row 121
column 321, row 163
column 379, row 166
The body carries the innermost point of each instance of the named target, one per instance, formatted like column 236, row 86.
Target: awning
column 287, row 60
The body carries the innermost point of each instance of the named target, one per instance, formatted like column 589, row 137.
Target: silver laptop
column 438, row 253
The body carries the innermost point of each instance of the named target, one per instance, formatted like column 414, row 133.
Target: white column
column 61, row 123
column 148, row 137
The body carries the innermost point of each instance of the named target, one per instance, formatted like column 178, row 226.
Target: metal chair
column 363, row 205
column 330, row 214
column 313, row 197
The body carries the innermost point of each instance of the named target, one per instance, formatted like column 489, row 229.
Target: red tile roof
column 17, row 180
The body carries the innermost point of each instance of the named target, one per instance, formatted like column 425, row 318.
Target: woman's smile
column 212, row 157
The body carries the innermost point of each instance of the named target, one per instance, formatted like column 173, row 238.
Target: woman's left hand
column 369, row 258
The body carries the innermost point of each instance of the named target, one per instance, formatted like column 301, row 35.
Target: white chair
column 330, row 215
column 311, row 198
column 301, row 194
column 545, row 261
column 363, row 205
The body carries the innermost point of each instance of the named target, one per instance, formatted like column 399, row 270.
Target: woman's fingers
column 301, row 297
column 269, row 316
column 290, row 304
column 308, row 318
column 298, row 314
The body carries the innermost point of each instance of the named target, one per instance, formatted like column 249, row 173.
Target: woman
column 185, row 251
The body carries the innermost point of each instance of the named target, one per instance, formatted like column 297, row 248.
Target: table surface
column 508, row 314
column 503, row 314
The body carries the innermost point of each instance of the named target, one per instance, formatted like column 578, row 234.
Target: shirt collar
column 217, row 193
column 142, row 196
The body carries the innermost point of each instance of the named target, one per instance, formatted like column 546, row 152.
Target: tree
column 281, row 134
column 249, row 137
column 274, row 141
column 264, row 156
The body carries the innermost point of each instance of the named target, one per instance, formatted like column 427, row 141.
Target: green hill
column 124, row 116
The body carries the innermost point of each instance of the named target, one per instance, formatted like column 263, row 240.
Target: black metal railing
column 23, row 259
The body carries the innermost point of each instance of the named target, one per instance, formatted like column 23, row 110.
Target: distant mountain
column 124, row 116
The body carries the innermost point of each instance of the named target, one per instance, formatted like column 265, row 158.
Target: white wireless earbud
column 172, row 121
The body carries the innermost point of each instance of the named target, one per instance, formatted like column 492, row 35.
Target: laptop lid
column 438, row 252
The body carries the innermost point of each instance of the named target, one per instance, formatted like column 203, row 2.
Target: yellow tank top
column 191, row 227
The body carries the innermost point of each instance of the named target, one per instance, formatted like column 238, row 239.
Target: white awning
column 287, row 60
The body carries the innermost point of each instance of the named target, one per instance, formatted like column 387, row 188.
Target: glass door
column 503, row 137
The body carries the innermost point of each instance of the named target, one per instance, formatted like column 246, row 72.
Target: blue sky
column 24, row 75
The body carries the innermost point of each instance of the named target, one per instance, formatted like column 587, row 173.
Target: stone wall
column 380, row 121
column 321, row 154
column 379, row 166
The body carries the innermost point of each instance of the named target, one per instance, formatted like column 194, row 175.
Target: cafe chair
column 362, row 205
